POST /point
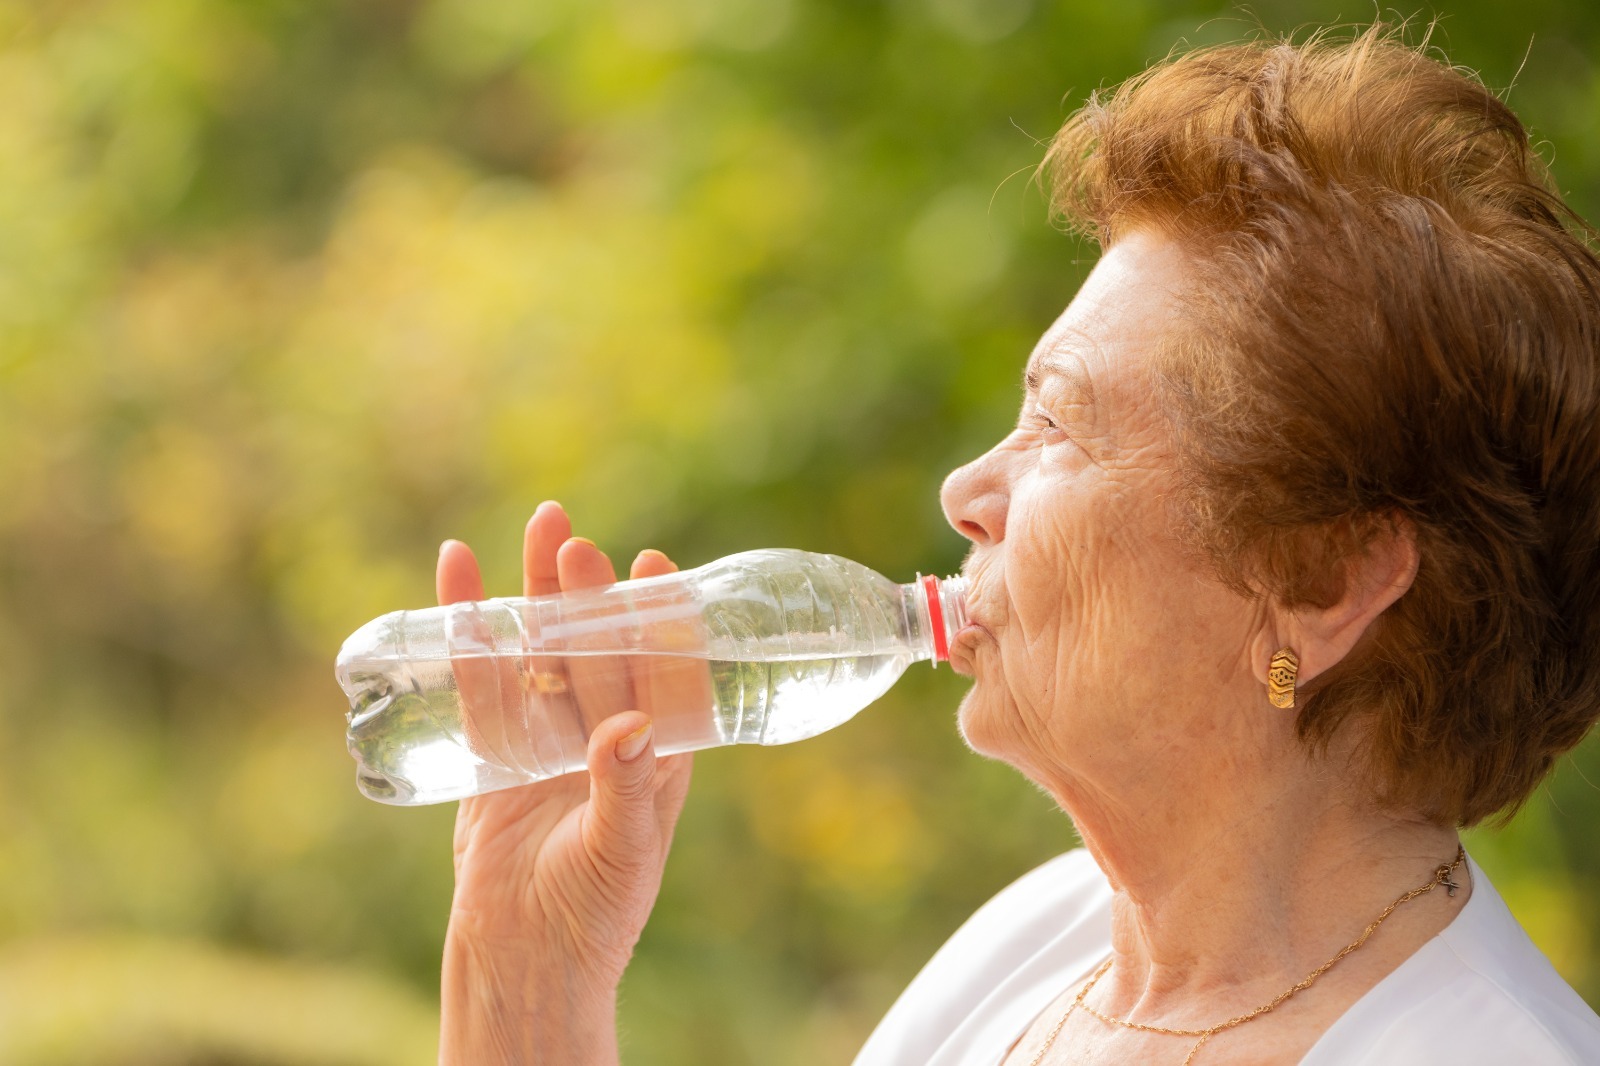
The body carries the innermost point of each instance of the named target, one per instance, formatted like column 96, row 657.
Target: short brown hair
column 1397, row 320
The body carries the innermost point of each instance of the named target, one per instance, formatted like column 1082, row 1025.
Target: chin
column 978, row 725
column 991, row 728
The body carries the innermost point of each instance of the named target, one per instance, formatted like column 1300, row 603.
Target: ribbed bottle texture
column 764, row 647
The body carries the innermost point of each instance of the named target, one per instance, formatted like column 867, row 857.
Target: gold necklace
column 1441, row 877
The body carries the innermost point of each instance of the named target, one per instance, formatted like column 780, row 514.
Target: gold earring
column 1280, row 678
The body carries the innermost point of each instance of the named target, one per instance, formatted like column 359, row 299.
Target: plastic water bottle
column 764, row 647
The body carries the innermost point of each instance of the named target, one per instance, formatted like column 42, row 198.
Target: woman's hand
column 554, row 881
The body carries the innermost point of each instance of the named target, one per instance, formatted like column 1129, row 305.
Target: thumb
column 620, row 830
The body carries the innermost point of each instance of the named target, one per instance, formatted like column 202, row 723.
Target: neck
column 1229, row 895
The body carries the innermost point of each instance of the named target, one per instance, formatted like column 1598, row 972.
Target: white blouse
column 1477, row 993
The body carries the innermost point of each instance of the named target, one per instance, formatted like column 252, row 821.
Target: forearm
column 499, row 1005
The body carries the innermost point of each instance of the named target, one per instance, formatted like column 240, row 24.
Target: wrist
column 589, row 964
column 505, row 1001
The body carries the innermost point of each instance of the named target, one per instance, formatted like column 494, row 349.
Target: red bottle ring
column 941, row 645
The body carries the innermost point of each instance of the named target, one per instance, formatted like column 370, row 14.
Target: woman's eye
column 1049, row 429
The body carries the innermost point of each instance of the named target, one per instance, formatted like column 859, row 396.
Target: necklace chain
column 1441, row 878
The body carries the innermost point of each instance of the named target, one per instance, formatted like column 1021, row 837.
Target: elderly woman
column 1288, row 570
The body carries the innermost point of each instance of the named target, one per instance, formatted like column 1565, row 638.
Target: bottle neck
column 936, row 610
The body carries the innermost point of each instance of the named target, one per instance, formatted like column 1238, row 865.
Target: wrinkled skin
column 1100, row 641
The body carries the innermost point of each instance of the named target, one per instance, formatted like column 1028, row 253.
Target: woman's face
column 1100, row 648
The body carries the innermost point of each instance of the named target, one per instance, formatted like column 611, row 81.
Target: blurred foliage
column 291, row 290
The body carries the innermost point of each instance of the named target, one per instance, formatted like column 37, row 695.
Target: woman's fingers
column 651, row 563
column 673, row 690
column 547, row 530
column 555, row 561
column 621, row 830
column 481, row 681
column 547, row 688
column 600, row 683
column 456, row 578
column 581, row 565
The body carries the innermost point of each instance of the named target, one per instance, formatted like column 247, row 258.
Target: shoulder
column 1479, row 992
column 1013, row 950
column 1468, row 1020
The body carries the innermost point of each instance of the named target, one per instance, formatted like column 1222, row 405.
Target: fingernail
column 632, row 746
column 442, row 546
column 581, row 540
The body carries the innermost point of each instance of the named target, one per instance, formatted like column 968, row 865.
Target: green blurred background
column 292, row 290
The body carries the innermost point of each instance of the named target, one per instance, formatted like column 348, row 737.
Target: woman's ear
column 1373, row 579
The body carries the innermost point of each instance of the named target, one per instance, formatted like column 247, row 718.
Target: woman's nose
column 975, row 501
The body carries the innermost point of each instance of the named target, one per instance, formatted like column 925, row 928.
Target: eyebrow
column 1077, row 377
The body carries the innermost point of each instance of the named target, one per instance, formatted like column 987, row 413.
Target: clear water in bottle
column 764, row 648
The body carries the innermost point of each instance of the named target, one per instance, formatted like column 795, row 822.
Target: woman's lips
column 963, row 647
